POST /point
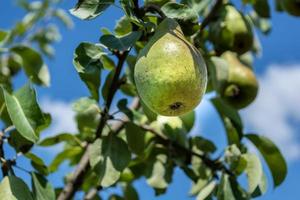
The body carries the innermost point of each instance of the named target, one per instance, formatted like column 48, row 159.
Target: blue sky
column 275, row 113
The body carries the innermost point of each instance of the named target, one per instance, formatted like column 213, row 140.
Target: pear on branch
column 235, row 82
column 170, row 73
column 231, row 31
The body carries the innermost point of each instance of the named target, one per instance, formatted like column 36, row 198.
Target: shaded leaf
column 25, row 112
column 37, row 163
column 135, row 138
column 120, row 43
column 87, row 61
column 42, row 189
column 188, row 120
column 64, row 155
column 109, row 156
column 33, row 64
column 130, row 193
column 62, row 137
column 272, row 156
column 253, row 170
column 89, row 9
column 13, row 188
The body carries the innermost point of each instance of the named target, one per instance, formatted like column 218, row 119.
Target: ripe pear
column 291, row 6
column 170, row 73
column 241, row 86
column 231, row 31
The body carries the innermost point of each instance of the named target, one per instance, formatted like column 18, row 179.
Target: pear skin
column 241, row 88
column 170, row 73
column 231, row 31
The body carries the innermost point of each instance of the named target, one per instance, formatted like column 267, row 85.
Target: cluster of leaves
column 112, row 149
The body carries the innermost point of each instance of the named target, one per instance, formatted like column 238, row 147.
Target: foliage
column 113, row 151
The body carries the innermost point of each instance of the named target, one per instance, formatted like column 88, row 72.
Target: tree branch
column 3, row 162
column 76, row 180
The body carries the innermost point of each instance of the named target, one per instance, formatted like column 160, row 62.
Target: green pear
column 231, row 31
column 241, row 87
column 291, row 6
column 170, row 73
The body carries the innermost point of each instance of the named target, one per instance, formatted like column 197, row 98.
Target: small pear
column 170, row 73
column 241, row 87
column 291, row 6
column 231, row 31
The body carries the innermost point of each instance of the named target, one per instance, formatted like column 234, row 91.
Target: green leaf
column 188, row 120
column 64, row 17
column 62, row 137
column 272, row 156
column 159, row 170
column 135, row 138
column 224, row 189
column 33, row 65
column 3, row 36
column 64, row 155
column 122, row 106
column 107, row 84
column 87, row 61
column 121, row 43
column 262, row 8
column 227, row 112
column 263, row 24
column 253, row 171
column 13, row 188
column 130, row 193
column 123, row 26
column 206, row 191
column 37, row 163
column 109, row 156
column 261, row 188
column 19, row 143
column 42, row 189
column 203, row 144
column 89, row 9
column 107, row 62
column 87, row 115
column 25, row 112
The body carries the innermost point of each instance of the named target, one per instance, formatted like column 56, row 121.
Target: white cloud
column 62, row 116
column 276, row 111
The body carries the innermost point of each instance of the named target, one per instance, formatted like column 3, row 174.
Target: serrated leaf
column 33, row 65
column 272, row 156
column 89, row 9
column 253, row 171
column 135, row 138
column 13, row 188
column 109, row 156
column 121, row 43
column 42, row 189
column 87, row 61
column 25, row 112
